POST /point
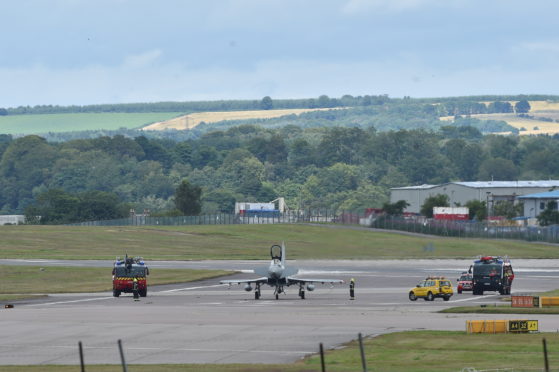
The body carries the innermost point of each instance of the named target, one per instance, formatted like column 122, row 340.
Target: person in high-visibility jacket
column 352, row 289
column 135, row 289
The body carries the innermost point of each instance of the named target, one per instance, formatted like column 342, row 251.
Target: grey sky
column 112, row 51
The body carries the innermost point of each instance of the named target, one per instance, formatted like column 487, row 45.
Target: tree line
column 448, row 106
column 338, row 168
column 383, row 115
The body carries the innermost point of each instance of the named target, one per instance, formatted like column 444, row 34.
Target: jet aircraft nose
column 275, row 271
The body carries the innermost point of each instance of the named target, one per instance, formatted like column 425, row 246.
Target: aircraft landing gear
column 257, row 292
column 302, row 292
column 278, row 291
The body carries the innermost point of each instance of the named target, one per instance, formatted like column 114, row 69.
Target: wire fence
column 468, row 229
column 316, row 216
column 414, row 224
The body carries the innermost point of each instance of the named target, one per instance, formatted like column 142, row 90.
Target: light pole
column 487, row 202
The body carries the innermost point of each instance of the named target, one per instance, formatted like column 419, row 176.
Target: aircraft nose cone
column 275, row 272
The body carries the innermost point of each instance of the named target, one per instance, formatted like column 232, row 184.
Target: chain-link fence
column 467, row 229
column 316, row 216
column 458, row 229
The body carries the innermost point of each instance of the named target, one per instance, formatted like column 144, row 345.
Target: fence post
column 124, row 369
column 546, row 361
column 322, row 365
column 363, row 360
column 82, row 365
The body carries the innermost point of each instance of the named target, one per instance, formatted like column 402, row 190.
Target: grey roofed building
column 534, row 204
column 459, row 193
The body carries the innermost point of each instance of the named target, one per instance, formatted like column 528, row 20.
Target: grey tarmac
column 205, row 322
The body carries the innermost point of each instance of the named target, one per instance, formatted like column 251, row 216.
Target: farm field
column 527, row 126
column 43, row 123
column 192, row 120
column 238, row 242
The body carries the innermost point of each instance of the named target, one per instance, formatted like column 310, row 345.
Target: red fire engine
column 128, row 271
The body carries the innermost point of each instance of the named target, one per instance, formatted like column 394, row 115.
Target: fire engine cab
column 492, row 274
column 129, row 275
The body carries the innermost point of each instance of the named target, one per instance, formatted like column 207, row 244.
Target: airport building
column 534, row 204
column 14, row 219
column 459, row 193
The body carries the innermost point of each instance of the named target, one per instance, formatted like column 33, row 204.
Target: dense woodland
column 339, row 166
column 335, row 168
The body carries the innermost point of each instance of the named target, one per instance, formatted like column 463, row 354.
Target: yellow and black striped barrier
column 502, row 326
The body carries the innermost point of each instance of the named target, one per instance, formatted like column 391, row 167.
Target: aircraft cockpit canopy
column 275, row 252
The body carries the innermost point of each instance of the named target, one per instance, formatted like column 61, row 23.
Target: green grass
column 30, row 124
column 245, row 242
column 25, row 280
column 14, row 297
column 507, row 309
column 415, row 351
column 501, row 309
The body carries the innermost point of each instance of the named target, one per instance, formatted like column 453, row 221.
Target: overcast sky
column 114, row 51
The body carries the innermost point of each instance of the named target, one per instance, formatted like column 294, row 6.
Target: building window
column 542, row 205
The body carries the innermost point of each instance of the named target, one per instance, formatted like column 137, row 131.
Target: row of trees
column 266, row 103
column 443, row 106
column 334, row 168
column 57, row 206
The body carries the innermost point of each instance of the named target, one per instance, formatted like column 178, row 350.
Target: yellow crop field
column 543, row 106
column 527, row 126
column 192, row 120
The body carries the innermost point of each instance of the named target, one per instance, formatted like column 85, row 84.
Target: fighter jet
column 278, row 275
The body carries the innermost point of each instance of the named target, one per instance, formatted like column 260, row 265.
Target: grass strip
column 507, row 309
column 502, row 309
column 14, row 297
column 32, row 280
column 199, row 242
column 414, row 351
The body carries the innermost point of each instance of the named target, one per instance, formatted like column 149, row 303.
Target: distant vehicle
column 278, row 275
column 124, row 272
column 492, row 274
column 431, row 288
column 465, row 282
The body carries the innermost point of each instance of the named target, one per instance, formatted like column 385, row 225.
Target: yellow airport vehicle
column 431, row 288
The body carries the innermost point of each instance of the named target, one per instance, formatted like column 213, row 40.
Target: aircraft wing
column 304, row 281
column 245, row 281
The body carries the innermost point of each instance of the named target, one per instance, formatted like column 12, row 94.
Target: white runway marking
column 68, row 302
column 128, row 348
column 191, row 288
column 50, row 262
column 475, row 298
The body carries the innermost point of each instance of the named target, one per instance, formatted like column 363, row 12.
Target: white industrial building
column 534, row 204
column 459, row 193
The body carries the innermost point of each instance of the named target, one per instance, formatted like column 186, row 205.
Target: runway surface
column 205, row 322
